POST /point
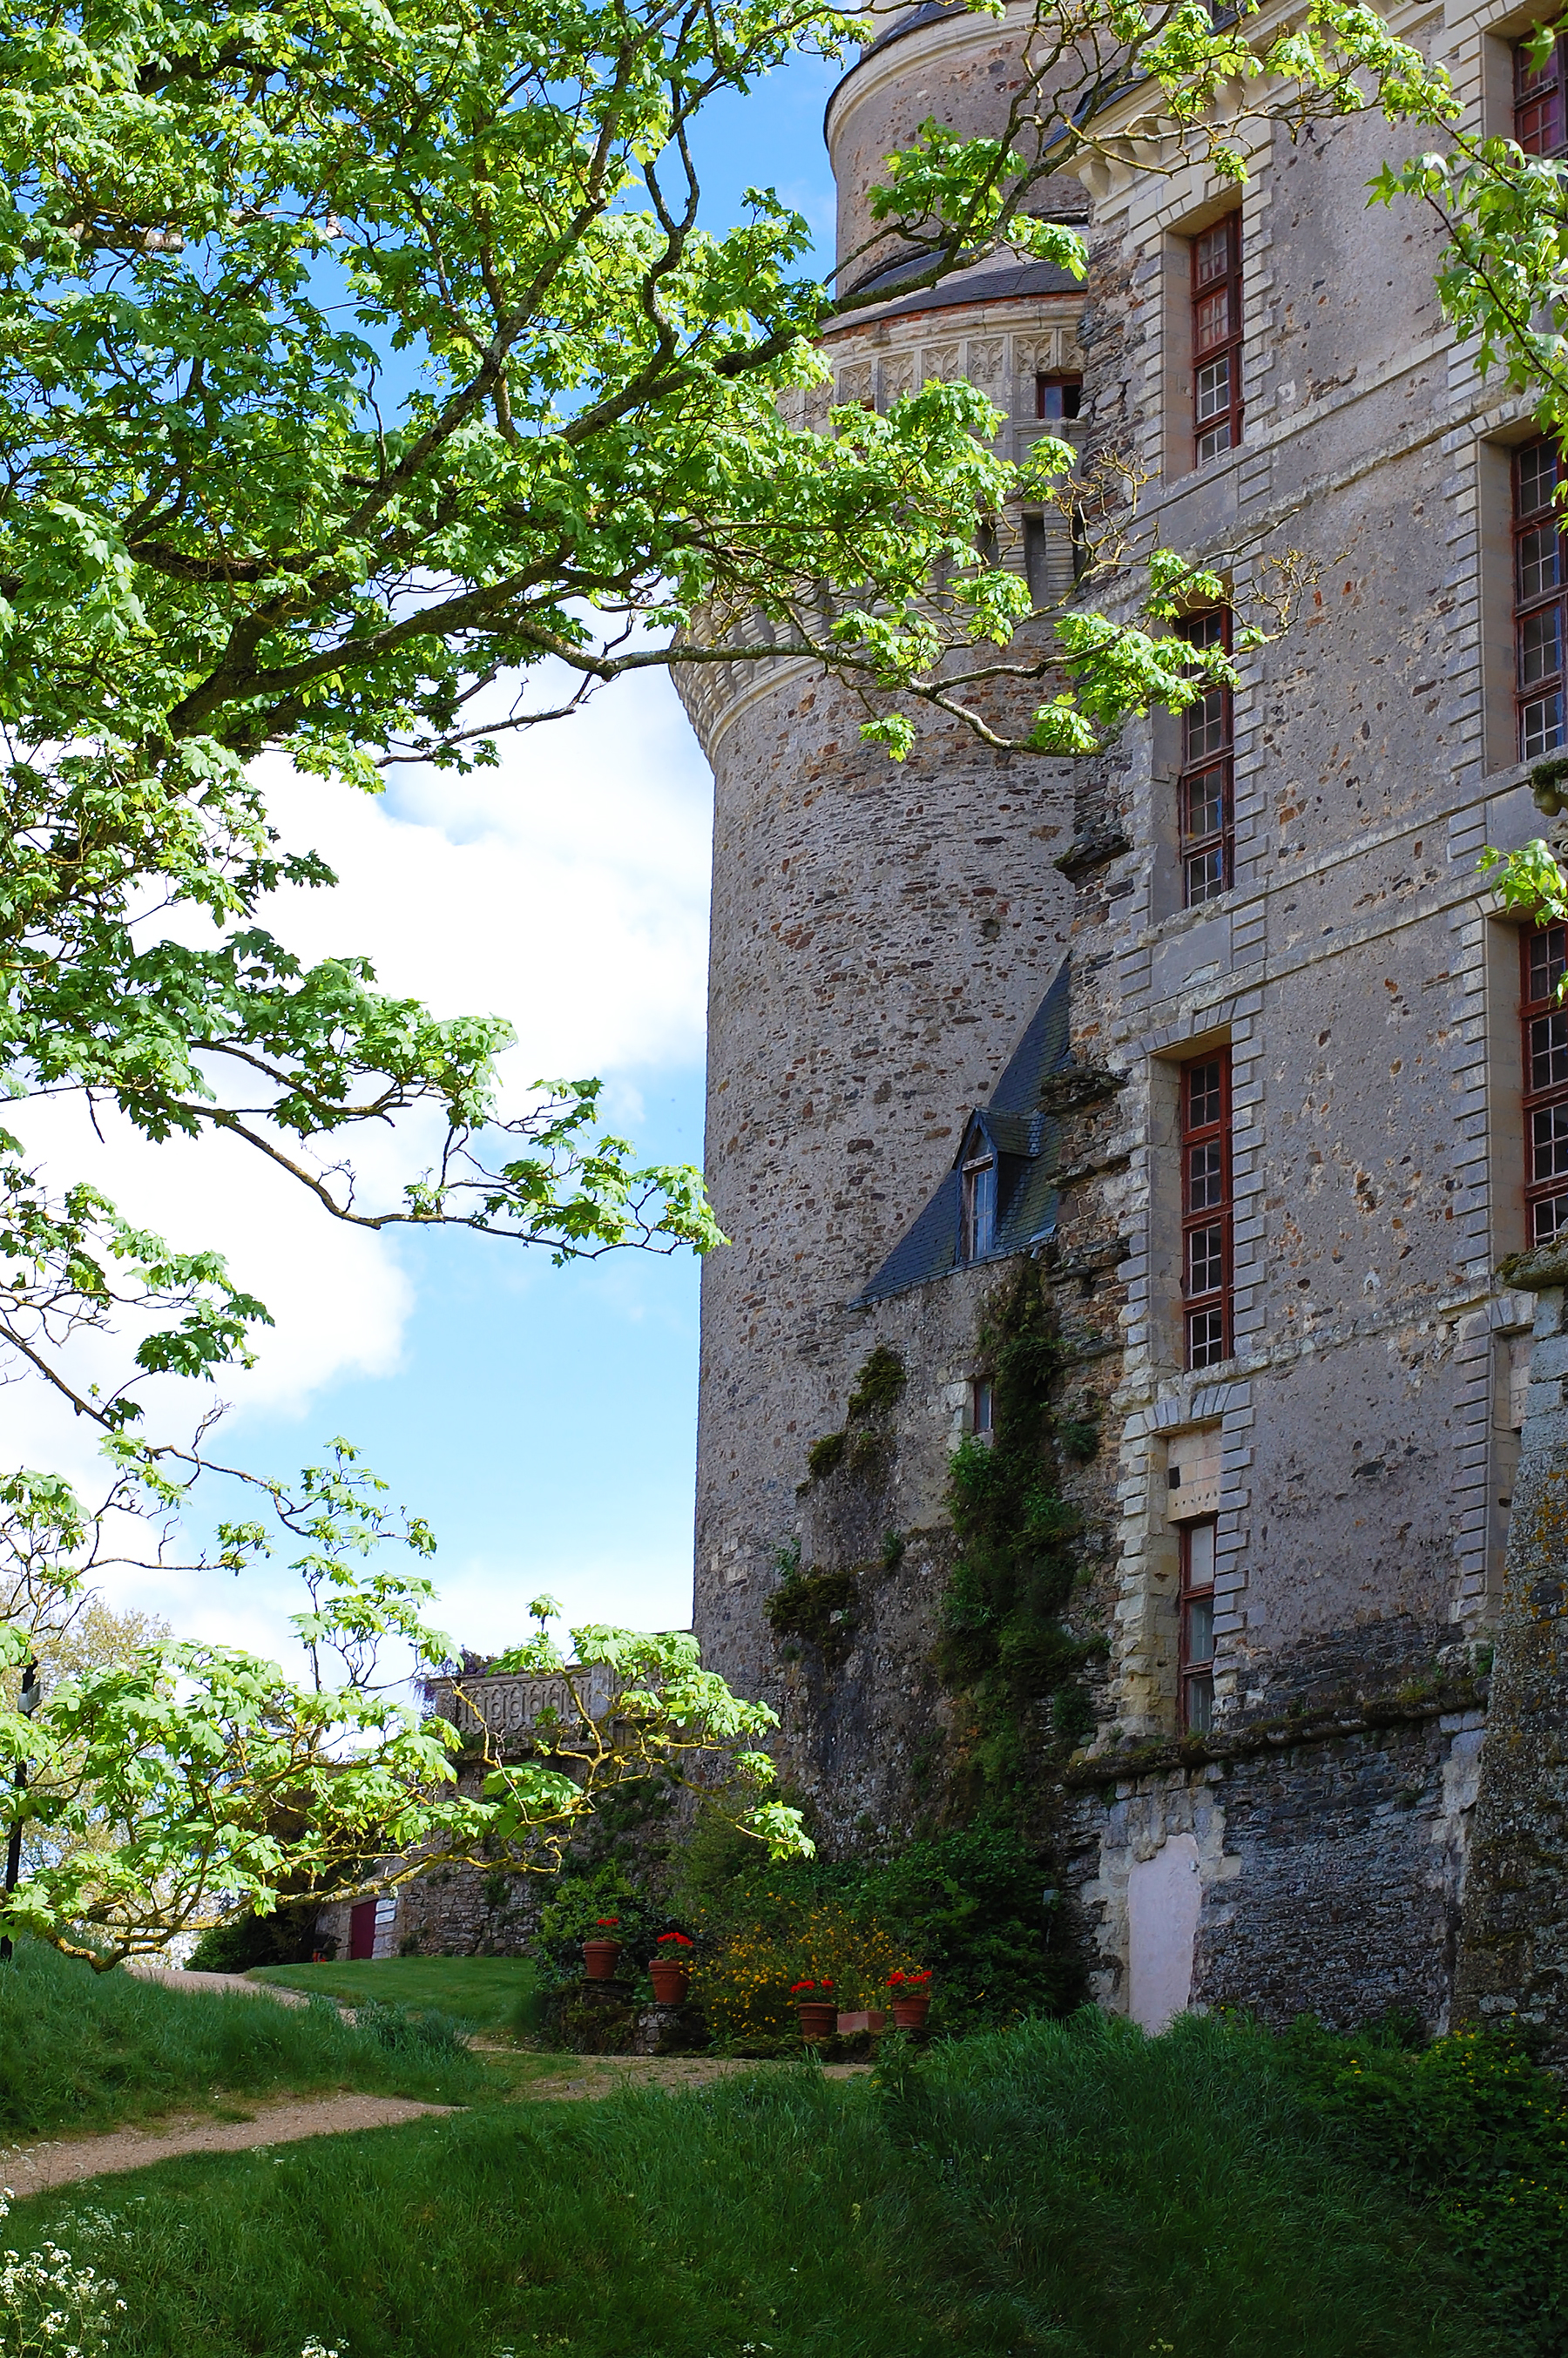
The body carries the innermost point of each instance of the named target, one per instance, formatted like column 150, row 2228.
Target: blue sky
column 544, row 1420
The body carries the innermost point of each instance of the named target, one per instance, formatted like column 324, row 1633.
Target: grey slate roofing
column 999, row 279
column 1026, row 1140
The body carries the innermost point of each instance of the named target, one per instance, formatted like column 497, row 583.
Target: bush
column 286, row 1936
column 742, row 1984
column 1470, row 2126
column 577, row 1910
column 970, row 1905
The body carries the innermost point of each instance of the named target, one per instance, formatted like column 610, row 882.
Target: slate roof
column 1000, row 278
column 1026, row 1140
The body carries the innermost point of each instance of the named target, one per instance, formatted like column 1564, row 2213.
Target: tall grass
column 485, row 1993
column 1062, row 2191
column 80, row 2050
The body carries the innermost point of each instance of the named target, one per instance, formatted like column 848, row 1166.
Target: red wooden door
column 361, row 1928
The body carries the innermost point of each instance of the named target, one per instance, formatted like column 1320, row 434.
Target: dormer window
column 979, row 1204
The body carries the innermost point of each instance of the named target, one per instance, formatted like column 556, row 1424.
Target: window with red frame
column 1544, row 960
column 1197, row 1627
column 1539, row 587
column 1205, row 787
column 1207, row 1206
column 1217, row 339
column 1540, row 121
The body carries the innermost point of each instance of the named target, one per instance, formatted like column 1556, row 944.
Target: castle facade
column 1221, row 1034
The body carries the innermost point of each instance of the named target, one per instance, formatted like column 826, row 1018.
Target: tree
column 170, row 1784
column 354, row 362
column 1503, row 280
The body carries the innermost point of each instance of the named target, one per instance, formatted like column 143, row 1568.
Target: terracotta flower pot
column 672, row 1979
column 598, row 1959
column 818, row 2020
column 910, row 2013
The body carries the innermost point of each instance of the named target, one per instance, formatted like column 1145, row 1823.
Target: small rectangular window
column 1207, row 1207
column 1207, row 786
column 1197, row 1627
column 1541, row 125
column 980, row 1208
column 1544, row 960
column 1057, row 397
column 1539, row 585
column 1216, row 338
column 981, row 1408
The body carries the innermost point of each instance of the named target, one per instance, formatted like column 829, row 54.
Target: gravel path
column 230, row 1985
column 33, row 2170
column 585, row 2076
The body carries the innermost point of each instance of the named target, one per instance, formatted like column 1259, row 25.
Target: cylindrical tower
column 881, row 937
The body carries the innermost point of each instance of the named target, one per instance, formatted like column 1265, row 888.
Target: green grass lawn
column 81, row 2050
column 483, row 1993
column 1062, row 2191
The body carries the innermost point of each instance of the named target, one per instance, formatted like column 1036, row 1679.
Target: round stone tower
column 882, row 936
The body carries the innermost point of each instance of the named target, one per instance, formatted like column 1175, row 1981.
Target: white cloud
column 566, row 891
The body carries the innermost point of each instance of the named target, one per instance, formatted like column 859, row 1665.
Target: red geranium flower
column 795, row 1987
column 683, row 1937
column 608, row 1923
column 894, row 1980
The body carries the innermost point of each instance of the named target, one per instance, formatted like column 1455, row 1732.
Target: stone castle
column 1222, row 1037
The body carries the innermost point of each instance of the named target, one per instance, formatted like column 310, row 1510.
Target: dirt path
column 33, row 2170
column 228, row 1984
column 585, row 2076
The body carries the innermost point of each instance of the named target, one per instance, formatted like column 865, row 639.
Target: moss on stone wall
column 818, row 1609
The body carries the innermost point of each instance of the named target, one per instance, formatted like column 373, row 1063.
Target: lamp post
column 27, row 1702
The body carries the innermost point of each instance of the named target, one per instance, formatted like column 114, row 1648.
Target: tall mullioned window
column 1541, row 120
column 1217, row 339
column 1544, row 960
column 1207, row 1207
column 1539, row 585
column 1207, row 773
column 1197, row 1626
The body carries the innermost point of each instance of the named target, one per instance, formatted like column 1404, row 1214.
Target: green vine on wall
column 1006, row 1650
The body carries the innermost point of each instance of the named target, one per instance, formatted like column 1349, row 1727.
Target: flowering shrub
column 49, row 2305
column 751, row 1984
